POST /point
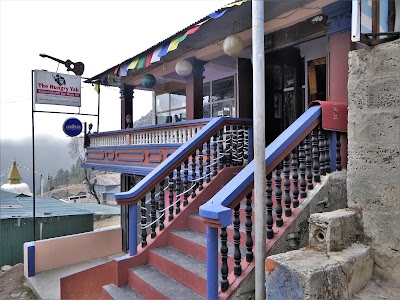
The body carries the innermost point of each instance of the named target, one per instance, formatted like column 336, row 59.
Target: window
column 219, row 98
column 171, row 107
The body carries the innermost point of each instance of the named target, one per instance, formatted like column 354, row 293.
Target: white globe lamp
column 233, row 45
column 183, row 68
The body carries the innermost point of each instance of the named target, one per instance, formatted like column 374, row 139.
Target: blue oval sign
column 72, row 127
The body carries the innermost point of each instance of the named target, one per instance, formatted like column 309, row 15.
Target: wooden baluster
column 327, row 154
column 269, row 204
column 143, row 221
column 286, row 184
column 215, row 156
column 240, row 146
column 208, row 160
column 194, row 175
column 201, row 180
column 249, row 227
column 178, row 190
column 278, row 196
column 338, row 156
column 309, row 175
column 185, row 182
column 161, row 205
column 171, row 196
column 321, row 148
column 228, row 149
column 153, row 213
column 221, row 153
column 315, row 155
column 234, row 144
column 245, row 144
column 295, row 178
column 302, row 171
column 224, row 258
column 237, row 256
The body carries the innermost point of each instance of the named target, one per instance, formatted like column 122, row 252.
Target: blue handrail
column 217, row 208
column 175, row 159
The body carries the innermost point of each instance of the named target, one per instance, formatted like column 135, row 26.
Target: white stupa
column 14, row 184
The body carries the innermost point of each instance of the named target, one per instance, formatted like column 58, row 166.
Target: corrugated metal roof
column 108, row 179
column 98, row 209
column 110, row 70
column 21, row 206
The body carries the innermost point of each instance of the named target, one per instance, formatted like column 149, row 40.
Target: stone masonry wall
column 373, row 175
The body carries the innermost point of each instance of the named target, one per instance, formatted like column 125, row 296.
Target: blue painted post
column 31, row 259
column 212, row 263
column 332, row 150
column 132, row 229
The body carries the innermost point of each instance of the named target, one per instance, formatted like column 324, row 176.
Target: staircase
column 179, row 256
column 178, row 270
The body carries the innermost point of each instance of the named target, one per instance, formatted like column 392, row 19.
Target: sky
column 100, row 34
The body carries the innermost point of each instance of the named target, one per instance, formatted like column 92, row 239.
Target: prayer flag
column 155, row 57
column 133, row 63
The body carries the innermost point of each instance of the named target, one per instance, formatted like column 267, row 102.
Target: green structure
column 53, row 219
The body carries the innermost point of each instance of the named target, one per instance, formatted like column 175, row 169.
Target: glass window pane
column 223, row 109
column 206, row 110
column 178, row 115
column 223, row 89
column 178, row 101
column 206, row 93
column 162, row 102
column 288, row 73
column 163, row 118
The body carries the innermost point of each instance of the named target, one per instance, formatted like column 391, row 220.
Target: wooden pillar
column 194, row 90
column 126, row 97
column 340, row 44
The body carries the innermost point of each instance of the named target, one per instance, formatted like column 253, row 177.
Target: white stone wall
column 373, row 177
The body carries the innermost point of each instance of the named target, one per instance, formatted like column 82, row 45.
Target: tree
column 76, row 150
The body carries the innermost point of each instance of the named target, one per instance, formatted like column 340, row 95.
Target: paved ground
column 46, row 285
column 13, row 284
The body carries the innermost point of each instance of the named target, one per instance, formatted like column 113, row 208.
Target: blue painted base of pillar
column 212, row 263
column 132, row 229
column 31, row 259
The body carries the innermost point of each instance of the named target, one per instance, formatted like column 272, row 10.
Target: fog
column 51, row 155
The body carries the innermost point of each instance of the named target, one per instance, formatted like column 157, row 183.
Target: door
column 283, row 91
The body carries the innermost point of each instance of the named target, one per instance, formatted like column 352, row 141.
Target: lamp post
column 128, row 120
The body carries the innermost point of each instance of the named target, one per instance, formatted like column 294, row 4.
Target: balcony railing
column 138, row 150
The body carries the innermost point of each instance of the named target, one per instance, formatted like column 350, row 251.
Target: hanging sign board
column 57, row 89
column 72, row 127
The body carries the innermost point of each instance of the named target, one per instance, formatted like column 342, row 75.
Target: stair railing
column 222, row 142
column 303, row 160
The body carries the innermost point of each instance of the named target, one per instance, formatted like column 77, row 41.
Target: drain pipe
column 259, row 144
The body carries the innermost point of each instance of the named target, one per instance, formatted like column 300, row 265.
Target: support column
column 340, row 44
column 194, row 90
column 126, row 97
column 132, row 229
column 212, row 262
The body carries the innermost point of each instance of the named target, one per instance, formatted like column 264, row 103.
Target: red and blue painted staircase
column 196, row 228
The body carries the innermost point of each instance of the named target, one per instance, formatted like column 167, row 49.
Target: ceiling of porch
column 236, row 20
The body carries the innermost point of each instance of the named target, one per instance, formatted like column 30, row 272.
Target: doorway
column 284, row 95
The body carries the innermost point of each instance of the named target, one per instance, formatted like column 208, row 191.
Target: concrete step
column 184, row 268
column 312, row 274
column 111, row 291
column 186, row 240
column 150, row 283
